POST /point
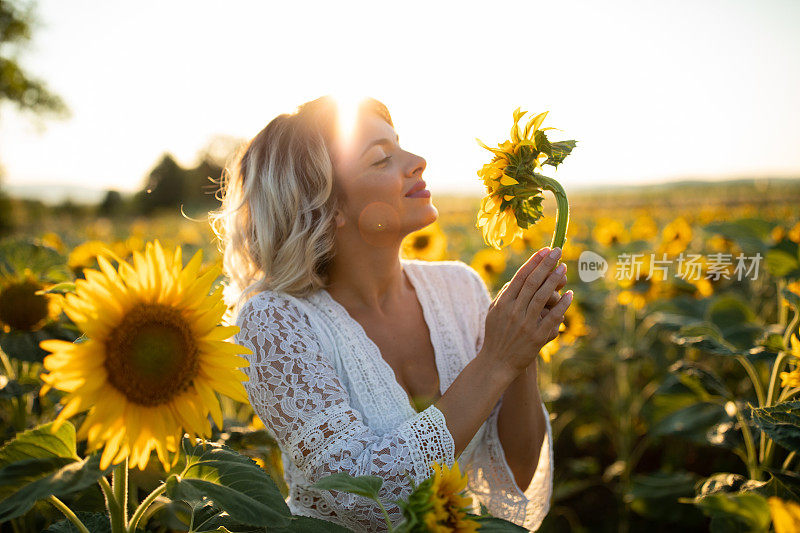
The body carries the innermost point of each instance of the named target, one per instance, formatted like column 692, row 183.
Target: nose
column 417, row 164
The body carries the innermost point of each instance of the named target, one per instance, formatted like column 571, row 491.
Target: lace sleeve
column 297, row 393
column 490, row 478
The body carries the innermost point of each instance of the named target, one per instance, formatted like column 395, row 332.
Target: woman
column 367, row 363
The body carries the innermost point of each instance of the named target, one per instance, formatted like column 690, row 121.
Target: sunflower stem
column 71, row 516
column 7, row 365
column 119, row 483
column 562, row 209
column 140, row 510
column 385, row 515
column 108, row 492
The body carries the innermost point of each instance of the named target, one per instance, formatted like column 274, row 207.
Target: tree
column 164, row 186
column 112, row 204
column 16, row 86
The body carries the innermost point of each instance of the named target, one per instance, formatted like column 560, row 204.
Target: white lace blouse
column 333, row 403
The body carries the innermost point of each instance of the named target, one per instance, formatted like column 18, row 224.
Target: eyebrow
column 382, row 141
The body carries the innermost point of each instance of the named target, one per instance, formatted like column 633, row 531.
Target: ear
column 340, row 220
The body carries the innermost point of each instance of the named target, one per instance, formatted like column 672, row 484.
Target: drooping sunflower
column 515, row 185
column 154, row 356
column 23, row 305
column 427, row 244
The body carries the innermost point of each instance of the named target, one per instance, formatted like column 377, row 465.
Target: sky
column 652, row 91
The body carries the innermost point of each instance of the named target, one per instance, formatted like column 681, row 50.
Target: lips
column 418, row 186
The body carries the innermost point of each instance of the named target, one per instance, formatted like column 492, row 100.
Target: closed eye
column 383, row 161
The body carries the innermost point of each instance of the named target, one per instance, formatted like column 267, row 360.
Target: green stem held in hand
column 562, row 210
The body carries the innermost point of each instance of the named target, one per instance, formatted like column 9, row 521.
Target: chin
column 432, row 216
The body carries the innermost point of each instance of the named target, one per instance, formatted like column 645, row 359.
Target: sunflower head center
column 20, row 307
column 421, row 242
column 152, row 355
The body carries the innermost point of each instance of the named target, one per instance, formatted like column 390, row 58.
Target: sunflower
column 676, row 237
column 644, row 228
column 490, row 263
column 153, row 359
column 792, row 378
column 549, row 350
column 23, row 305
column 794, row 233
column 609, row 232
column 514, row 200
column 85, row 254
column 785, row 515
column 573, row 326
column 450, row 507
column 499, row 227
column 428, row 244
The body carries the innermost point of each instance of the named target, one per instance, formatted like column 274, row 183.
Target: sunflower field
column 672, row 387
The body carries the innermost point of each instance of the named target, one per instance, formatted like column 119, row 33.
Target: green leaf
column 728, row 311
column 793, row 299
column 663, row 485
column 721, row 482
column 94, row 522
column 306, row 524
column 781, row 423
column 736, row 511
column 44, row 262
column 40, row 442
column 706, row 337
column 780, row 263
column 491, row 524
column 234, row 482
column 32, row 480
column 367, row 486
column 702, row 381
column 560, row 150
column 691, row 422
column 748, row 233
column 24, row 345
column 11, row 388
column 61, row 288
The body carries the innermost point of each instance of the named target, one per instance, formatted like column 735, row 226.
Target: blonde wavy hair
column 276, row 224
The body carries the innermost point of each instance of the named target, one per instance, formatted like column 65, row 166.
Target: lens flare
column 347, row 105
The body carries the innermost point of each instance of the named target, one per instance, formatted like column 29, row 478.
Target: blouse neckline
column 410, row 267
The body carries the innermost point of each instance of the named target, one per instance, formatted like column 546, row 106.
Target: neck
column 365, row 277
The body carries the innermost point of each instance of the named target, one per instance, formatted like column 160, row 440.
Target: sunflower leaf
column 367, row 486
column 781, row 423
column 39, row 443
column 28, row 481
column 234, row 482
column 94, row 522
column 491, row 524
column 561, row 150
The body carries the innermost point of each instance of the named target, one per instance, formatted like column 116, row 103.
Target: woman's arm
column 521, row 426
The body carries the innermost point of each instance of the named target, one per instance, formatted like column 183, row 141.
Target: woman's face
column 372, row 175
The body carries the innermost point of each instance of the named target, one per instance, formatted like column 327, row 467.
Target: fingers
column 511, row 290
column 535, row 305
column 535, row 279
column 556, row 295
column 555, row 315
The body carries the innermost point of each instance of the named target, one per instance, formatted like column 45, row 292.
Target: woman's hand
column 526, row 313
